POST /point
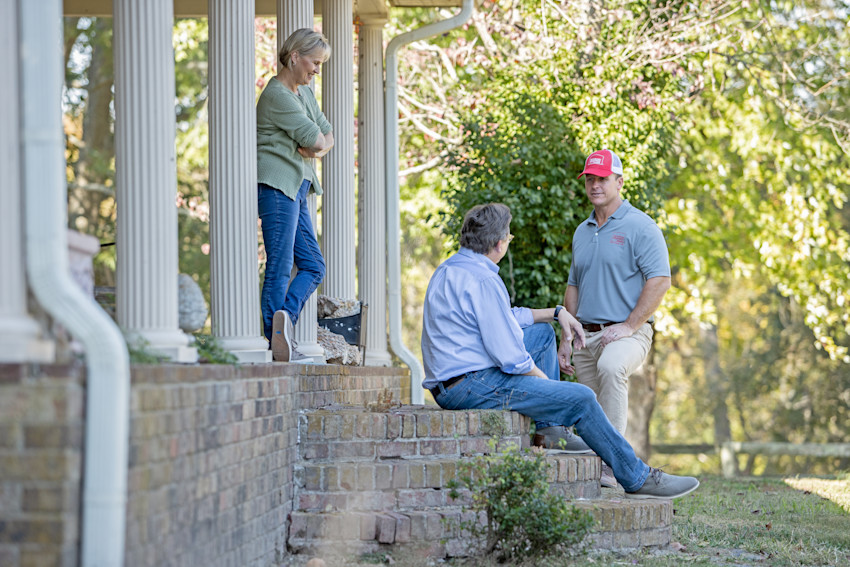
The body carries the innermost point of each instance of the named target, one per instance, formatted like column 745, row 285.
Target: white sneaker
column 282, row 336
column 296, row 356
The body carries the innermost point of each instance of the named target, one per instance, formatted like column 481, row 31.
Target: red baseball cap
column 602, row 163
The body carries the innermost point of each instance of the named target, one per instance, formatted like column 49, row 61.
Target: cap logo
column 595, row 161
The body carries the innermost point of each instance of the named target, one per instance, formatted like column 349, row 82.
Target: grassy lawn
column 760, row 521
column 752, row 521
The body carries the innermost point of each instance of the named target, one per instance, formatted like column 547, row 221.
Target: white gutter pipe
column 393, row 223
column 104, row 495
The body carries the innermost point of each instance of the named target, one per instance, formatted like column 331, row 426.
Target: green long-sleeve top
column 285, row 122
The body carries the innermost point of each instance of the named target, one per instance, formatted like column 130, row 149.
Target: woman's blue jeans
column 549, row 402
column 289, row 238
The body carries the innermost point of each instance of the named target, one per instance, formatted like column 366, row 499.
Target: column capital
column 372, row 20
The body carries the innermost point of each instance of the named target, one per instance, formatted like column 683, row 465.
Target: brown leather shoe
column 560, row 438
column 607, row 479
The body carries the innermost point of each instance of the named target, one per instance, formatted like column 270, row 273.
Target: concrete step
column 622, row 524
column 338, row 434
column 416, row 484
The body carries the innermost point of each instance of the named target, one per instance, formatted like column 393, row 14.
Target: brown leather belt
column 435, row 391
column 596, row 327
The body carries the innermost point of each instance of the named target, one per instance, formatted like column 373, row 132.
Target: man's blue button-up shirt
column 469, row 324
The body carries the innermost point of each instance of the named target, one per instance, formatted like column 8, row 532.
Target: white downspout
column 393, row 222
column 104, row 494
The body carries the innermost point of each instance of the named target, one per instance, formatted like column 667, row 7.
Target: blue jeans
column 289, row 238
column 549, row 402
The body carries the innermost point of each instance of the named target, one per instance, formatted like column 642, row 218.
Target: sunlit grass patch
column 766, row 518
column 837, row 491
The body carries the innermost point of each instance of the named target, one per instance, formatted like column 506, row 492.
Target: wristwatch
column 557, row 311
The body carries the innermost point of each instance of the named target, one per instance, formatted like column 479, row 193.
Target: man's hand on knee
column 615, row 333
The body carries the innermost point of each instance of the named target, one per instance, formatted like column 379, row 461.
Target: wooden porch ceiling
column 198, row 8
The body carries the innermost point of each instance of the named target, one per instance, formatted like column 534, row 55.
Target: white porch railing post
column 20, row 339
column 146, row 177
column 293, row 15
column 372, row 273
column 234, row 281
column 338, row 206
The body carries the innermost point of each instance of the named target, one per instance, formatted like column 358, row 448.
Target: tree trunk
column 641, row 405
column 93, row 169
column 718, row 388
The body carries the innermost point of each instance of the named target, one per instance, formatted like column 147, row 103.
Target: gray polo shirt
column 612, row 263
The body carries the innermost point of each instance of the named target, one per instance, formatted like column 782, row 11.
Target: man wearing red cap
column 619, row 274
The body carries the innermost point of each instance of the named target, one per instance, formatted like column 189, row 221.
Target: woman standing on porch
column 291, row 130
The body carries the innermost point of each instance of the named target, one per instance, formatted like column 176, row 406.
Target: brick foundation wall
column 41, row 425
column 212, row 452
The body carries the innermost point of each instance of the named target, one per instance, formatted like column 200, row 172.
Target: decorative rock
column 190, row 303
column 337, row 351
column 333, row 307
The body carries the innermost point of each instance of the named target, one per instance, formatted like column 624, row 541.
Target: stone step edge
column 416, row 484
column 407, row 422
column 335, row 450
column 622, row 525
column 425, row 472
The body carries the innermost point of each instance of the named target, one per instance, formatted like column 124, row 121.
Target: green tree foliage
column 758, row 232
column 541, row 112
column 90, row 152
column 192, row 91
column 762, row 180
column 734, row 116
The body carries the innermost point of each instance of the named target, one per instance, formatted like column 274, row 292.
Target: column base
column 20, row 341
column 234, row 344
column 313, row 351
column 253, row 356
column 26, row 349
column 173, row 345
column 378, row 358
column 179, row 354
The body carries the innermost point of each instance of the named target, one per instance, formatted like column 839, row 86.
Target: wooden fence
column 729, row 451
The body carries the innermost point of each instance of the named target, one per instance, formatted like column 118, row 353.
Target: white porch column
column 293, row 15
column 234, row 280
column 372, row 189
column 20, row 339
column 146, row 177
column 338, row 206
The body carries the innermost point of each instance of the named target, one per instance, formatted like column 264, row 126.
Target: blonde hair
column 303, row 42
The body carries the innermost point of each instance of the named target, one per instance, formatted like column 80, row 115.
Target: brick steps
column 370, row 479
column 621, row 524
column 349, row 434
column 415, row 484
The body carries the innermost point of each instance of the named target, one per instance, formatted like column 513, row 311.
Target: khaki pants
column 606, row 370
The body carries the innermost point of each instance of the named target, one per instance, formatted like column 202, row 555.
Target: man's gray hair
column 484, row 226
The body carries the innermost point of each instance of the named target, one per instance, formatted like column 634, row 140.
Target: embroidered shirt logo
column 618, row 238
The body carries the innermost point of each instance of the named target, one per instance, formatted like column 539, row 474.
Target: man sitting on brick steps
column 481, row 354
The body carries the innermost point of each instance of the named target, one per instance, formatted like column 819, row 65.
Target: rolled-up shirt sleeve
column 500, row 329
column 523, row 316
